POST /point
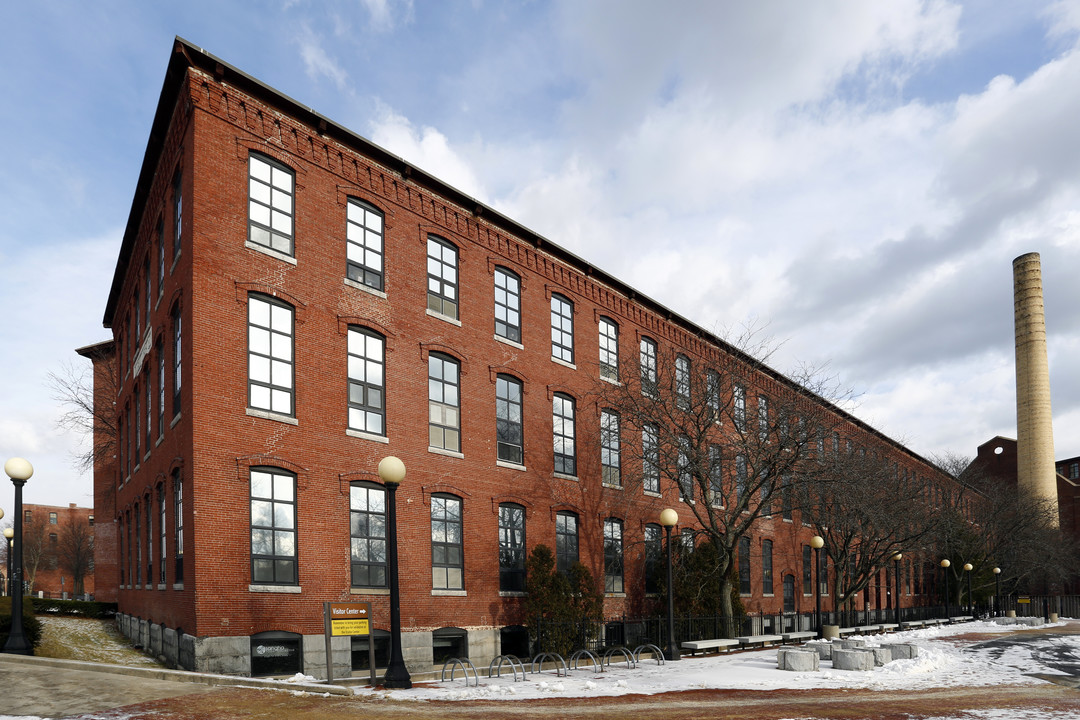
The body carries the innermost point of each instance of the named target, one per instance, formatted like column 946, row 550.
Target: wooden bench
column 705, row 645
column 763, row 640
column 796, row 636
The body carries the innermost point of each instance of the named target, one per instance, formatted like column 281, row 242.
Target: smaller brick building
column 55, row 539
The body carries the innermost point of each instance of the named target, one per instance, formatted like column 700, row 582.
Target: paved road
column 38, row 689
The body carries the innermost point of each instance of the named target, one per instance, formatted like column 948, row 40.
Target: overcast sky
column 855, row 176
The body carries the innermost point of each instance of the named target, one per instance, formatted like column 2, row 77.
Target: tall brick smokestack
column 1036, row 474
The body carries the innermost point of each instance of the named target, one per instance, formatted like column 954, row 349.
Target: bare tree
column 867, row 509
column 987, row 522
column 35, row 550
column 73, row 387
column 75, row 550
column 728, row 436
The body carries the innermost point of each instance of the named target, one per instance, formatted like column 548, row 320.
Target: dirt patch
column 71, row 638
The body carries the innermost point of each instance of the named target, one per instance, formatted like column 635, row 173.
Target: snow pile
column 943, row 661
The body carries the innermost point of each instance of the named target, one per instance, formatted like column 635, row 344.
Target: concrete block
column 852, row 643
column 796, row 660
column 484, row 644
column 230, row 655
column 904, row 651
column 416, row 651
column 882, row 655
column 824, row 650
column 854, row 659
column 186, row 659
column 170, row 647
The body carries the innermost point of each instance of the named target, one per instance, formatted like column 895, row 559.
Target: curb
column 183, row 676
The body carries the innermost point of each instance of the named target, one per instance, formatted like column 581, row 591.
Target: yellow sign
column 1023, row 600
column 349, row 627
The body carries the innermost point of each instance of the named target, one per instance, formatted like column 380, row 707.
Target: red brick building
column 291, row 304
column 54, row 538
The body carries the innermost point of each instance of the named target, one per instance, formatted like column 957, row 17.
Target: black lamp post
column 19, row 471
column 971, row 605
column 669, row 518
column 9, row 541
column 392, row 472
column 817, row 542
column 945, row 571
column 997, row 591
column 896, row 585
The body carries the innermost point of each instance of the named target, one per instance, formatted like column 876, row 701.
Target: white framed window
column 682, row 381
column 564, row 435
column 647, row 361
column 447, row 548
column 610, row 465
column 613, row 556
column 270, row 204
column 270, row 355
column 509, row 437
column 364, row 244
column 650, row 450
column 507, row 305
column 444, row 403
column 367, row 381
column 562, row 329
column 442, row 273
column 609, row 350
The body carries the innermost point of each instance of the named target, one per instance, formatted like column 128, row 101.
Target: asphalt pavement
column 50, row 688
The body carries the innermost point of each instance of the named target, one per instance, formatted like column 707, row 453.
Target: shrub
column 77, row 608
column 31, row 625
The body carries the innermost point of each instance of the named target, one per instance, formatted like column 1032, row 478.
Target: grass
column 72, row 638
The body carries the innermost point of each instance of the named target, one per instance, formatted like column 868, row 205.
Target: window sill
column 160, row 439
column 270, row 252
column 613, row 486
column 615, row 595
column 650, row 493
column 513, row 593
column 447, row 453
column 559, row 361
column 146, row 456
column 267, row 415
column 449, row 593
column 362, row 287
column 288, row 589
column 566, row 477
column 611, row 381
column 175, row 259
column 176, row 419
column 444, row 318
column 369, row 591
column 508, row 341
column 367, row 436
column 509, row 465
column 178, row 586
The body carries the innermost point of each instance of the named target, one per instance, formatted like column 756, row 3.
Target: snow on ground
column 942, row 662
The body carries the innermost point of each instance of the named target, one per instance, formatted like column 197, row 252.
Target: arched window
column 511, row 547
column 273, row 527
column 609, row 349
column 444, row 403
column 367, row 381
column 562, row 329
column 367, row 531
column 270, row 204
column 364, row 243
column 447, row 548
column 507, row 305
column 509, row 437
column 564, row 435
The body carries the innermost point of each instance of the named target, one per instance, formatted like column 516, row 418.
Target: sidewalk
column 50, row 688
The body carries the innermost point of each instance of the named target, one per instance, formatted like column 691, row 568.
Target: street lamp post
column 945, row 571
column 19, row 471
column 669, row 518
column 997, row 591
column 392, row 472
column 967, row 571
column 896, row 585
column 9, row 538
column 817, row 542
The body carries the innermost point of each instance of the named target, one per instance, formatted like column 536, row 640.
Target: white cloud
column 385, row 15
column 426, row 148
column 317, row 62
